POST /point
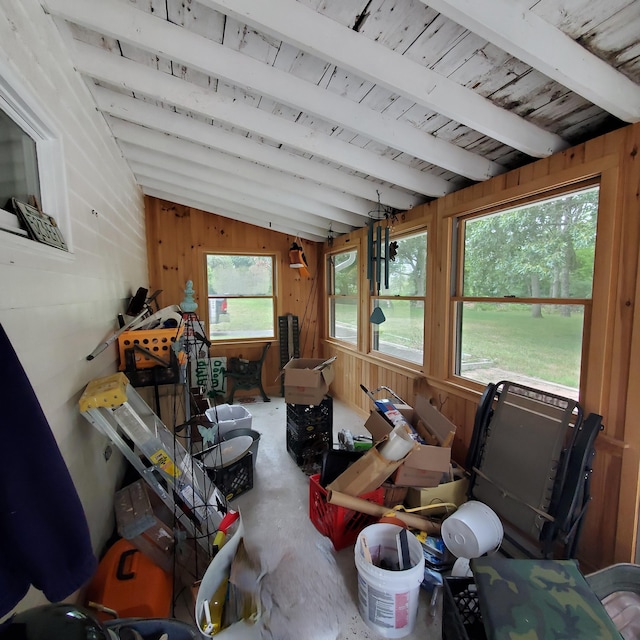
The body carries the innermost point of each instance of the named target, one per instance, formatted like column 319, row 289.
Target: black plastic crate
column 301, row 435
column 307, row 453
column 235, row 479
column 461, row 619
column 306, row 418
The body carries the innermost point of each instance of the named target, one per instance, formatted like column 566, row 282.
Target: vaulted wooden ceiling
column 311, row 116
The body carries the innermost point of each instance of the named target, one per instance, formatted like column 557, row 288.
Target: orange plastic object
column 131, row 584
column 158, row 342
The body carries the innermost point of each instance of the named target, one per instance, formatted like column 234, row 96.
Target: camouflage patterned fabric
column 538, row 600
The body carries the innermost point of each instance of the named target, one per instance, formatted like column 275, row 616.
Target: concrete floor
column 313, row 587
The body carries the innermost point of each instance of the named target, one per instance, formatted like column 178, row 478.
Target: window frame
column 397, row 235
column 330, row 295
column 456, row 277
column 275, row 261
column 26, row 111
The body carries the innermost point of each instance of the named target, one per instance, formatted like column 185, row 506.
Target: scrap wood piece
column 364, row 506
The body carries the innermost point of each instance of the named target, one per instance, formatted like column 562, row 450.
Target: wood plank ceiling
column 311, row 116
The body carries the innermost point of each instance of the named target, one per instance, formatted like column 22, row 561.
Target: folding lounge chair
column 530, row 461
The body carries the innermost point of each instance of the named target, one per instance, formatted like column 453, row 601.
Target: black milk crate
column 235, row 479
column 301, row 434
column 461, row 619
column 307, row 452
column 308, row 418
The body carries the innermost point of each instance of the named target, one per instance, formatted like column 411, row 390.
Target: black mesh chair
column 246, row 374
column 530, row 461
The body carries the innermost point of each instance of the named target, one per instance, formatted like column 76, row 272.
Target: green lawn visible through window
column 526, row 283
column 241, row 302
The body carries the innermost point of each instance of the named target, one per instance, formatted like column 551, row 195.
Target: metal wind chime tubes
column 378, row 252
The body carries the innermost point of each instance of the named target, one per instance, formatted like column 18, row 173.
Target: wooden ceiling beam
column 310, row 31
column 148, row 115
column 526, row 36
column 240, row 185
column 157, row 85
column 250, row 171
column 156, row 35
column 227, row 197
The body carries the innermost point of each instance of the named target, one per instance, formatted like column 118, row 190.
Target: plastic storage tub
column 246, row 432
column 229, row 417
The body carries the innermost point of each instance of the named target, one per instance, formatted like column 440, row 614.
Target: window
column 241, row 300
column 31, row 159
column 526, row 284
column 400, row 307
column 342, row 285
column 19, row 163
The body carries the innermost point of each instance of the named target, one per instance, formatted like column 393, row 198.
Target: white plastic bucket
column 229, row 417
column 473, row 530
column 388, row 600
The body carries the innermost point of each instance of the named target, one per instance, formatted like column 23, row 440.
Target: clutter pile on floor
column 396, row 497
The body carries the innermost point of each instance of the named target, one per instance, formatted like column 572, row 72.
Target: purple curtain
column 44, row 536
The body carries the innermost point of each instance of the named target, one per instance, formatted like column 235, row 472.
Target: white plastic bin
column 229, row 417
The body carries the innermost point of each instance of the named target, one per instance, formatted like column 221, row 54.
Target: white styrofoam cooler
column 229, row 417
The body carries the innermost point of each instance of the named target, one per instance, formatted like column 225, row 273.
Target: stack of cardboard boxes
column 425, row 471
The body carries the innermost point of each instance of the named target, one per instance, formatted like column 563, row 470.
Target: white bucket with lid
column 473, row 530
column 388, row 600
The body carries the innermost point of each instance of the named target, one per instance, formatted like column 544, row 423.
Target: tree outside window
column 527, row 275
column 240, row 296
column 401, row 334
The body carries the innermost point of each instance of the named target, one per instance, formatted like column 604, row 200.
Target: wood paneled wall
column 612, row 373
column 177, row 239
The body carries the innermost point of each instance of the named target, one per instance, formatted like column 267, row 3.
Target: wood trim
column 611, row 377
column 523, row 189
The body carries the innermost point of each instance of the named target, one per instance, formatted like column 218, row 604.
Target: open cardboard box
column 454, row 492
column 368, row 472
column 424, row 466
column 307, row 380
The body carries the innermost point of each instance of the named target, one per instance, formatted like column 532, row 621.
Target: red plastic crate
column 341, row 525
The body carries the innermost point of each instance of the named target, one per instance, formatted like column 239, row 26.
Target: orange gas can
column 131, row 584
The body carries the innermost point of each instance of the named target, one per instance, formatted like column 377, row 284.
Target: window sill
column 9, row 222
column 15, row 246
column 399, row 366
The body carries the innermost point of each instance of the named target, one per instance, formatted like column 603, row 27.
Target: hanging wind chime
column 379, row 252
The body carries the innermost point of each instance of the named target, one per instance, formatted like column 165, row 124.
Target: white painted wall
column 56, row 307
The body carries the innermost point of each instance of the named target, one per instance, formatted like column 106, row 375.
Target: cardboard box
column 426, row 464
column 452, row 492
column 367, row 473
column 307, row 380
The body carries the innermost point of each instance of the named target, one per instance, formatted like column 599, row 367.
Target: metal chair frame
column 247, row 374
column 529, row 460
